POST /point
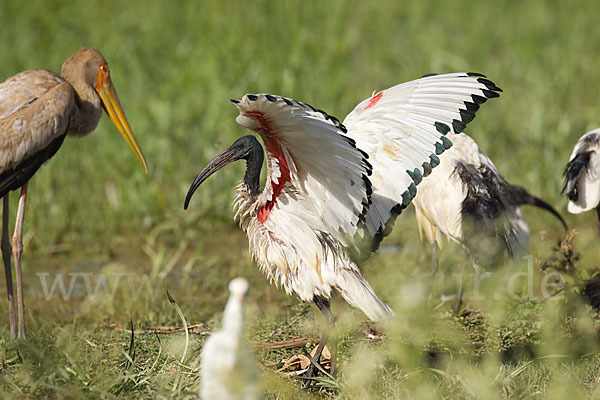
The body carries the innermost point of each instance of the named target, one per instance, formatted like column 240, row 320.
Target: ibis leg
column 325, row 308
column 434, row 266
column 459, row 292
column 434, row 259
column 6, row 251
column 17, row 249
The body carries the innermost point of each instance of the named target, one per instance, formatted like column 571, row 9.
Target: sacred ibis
column 332, row 186
column 228, row 370
column 38, row 109
column 582, row 175
column 468, row 201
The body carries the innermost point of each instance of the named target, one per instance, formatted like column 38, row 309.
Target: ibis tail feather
column 357, row 292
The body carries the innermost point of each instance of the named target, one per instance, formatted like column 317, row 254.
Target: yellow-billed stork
column 582, row 175
column 331, row 186
column 38, row 109
column 228, row 370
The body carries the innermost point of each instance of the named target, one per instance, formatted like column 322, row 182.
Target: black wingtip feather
column 490, row 94
column 458, row 126
column 489, row 84
column 442, row 128
column 477, row 99
column 473, row 107
column 467, row 116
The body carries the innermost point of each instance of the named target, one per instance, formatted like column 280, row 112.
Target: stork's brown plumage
column 38, row 109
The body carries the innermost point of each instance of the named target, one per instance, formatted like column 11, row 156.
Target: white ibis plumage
column 467, row 200
column 332, row 186
column 582, row 175
column 228, row 370
column 38, row 109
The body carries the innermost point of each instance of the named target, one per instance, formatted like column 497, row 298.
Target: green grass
column 176, row 65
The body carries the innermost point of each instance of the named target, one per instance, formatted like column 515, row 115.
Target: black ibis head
column 519, row 196
column 245, row 148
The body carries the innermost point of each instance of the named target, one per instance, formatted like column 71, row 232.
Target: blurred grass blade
column 131, row 352
column 159, row 351
column 185, row 326
column 523, row 367
column 327, row 380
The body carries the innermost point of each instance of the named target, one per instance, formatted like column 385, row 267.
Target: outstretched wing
column 404, row 129
column 582, row 174
column 316, row 176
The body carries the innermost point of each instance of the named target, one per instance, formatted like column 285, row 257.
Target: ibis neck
column 254, row 163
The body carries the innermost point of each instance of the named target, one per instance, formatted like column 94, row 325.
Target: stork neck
column 88, row 108
column 254, row 162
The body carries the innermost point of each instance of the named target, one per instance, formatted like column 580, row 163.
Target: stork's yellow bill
column 115, row 111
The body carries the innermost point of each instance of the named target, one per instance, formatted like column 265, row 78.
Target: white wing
column 582, row 174
column 314, row 171
column 403, row 129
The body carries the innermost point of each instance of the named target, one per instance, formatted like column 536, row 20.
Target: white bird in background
column 582, row 175
column 333, row 187
column 228, row 370
column 467, row 200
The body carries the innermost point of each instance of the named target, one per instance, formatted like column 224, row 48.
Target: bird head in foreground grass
column 228, row 370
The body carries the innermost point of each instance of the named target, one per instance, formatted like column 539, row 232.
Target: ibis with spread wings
column 332, row 186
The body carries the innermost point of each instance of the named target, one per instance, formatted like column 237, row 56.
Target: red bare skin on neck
column 374, row 100
column 274, row 149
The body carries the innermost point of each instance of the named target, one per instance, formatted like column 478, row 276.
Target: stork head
column 245, row 148
column 87, row 69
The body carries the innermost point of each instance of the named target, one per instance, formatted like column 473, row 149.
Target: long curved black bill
column 542, row 204
column 521, row 196
column 216, row 164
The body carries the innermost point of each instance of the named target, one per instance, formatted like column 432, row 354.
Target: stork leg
column 17, row 249
column 325, row 307
column 6, row 250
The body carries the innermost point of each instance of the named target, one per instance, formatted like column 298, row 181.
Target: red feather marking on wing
column 274, row 149
column 374, row 100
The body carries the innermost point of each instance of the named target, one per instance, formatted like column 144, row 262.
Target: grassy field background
column 92, row 211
